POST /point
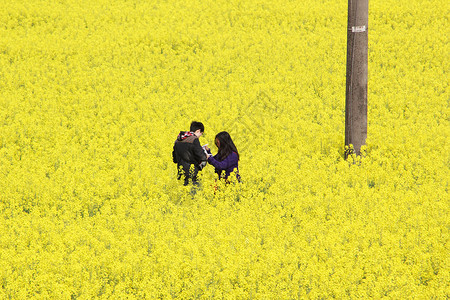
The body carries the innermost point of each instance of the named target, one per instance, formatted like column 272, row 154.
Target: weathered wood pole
column 356, row 83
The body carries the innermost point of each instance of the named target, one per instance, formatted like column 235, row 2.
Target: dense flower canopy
column 94, row 93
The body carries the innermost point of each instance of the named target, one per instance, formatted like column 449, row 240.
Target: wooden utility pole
column 356, row 85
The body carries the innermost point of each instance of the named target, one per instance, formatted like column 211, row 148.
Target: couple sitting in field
column 190, row 157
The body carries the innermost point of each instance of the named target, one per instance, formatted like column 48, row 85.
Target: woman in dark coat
column 227, row 158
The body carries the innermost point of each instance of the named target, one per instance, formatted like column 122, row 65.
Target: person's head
column 197, row 128
column 225, row 145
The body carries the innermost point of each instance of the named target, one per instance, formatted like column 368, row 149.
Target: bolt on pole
column 356, row 82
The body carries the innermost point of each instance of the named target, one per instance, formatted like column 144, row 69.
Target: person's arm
column 199, row 154
column 174, row 156
column 224, row 164
column 211, row 156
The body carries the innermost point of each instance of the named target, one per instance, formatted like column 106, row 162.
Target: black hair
column 196, row 126
column 226, row 145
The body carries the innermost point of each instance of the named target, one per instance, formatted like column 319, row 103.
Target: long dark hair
column 226, row 145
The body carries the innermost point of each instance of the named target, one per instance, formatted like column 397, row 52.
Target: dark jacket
column 228, row 164
column 186, row 152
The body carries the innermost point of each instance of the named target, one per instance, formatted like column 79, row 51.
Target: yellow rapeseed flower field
column 94, row 93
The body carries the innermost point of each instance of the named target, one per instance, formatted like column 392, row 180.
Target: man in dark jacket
column 188, row 154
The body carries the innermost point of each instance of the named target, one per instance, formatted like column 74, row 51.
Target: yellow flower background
column 94, row 93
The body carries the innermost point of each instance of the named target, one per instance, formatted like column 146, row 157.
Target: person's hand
column 206, row 148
